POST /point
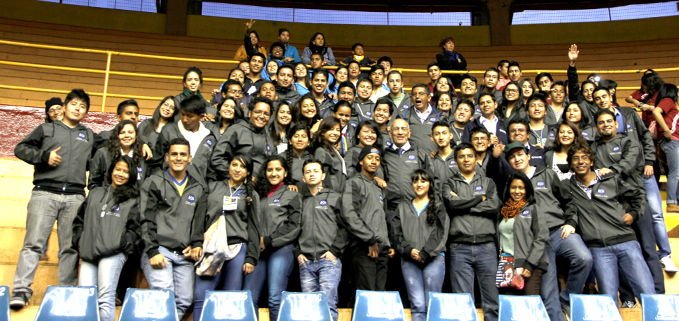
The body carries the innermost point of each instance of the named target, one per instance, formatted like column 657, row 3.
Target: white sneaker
column 668, row 265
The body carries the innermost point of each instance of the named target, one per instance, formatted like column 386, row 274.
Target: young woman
column 528, row 88
column 123, row 141
column 301, row 79
column 575, row 115
column 443, row 102
column 566, row 134
column 444, row 85
column 420, row 232
column 325, row 146
column 522, row 234
column 192, row 82
column 367, row 134
column 512, row 103
column 341, row 75
column 646, row 97
column 279, row 217
column 278, row 128
column 54, row 109
column 271, row 70
column 238, row 75
column 242, row 53
column 306, row 113
column 106, row 230
column 236, row 200
column 228, row 112
column 297, row 152
column 317, row 44
column 166, row 112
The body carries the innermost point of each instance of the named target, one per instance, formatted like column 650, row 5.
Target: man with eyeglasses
column 245, row 137
column 518, row 132
column 490, row 80
column 232, row 88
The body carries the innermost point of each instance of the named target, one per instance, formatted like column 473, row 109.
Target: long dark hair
column 530, row 194
column 297, row 111
column 306, row 78
column 450, row 92
column 319, row 140
column 584, row 119
column 274, row 126
column 237, row 112
column 667, row 91
column 246, row 160
column 532, row 84
column 263, row 186
column 113, row 144
column 289, row 153
column 336, row 82
column 128, row 190
column 319, row 49
column 652, row 82
column 504, row 104
column 427, row 176
column 579, row 139
column 155, row 119
column 376, row 128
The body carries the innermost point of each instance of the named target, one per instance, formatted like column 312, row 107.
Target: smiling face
column 443, row 85
column 120, row 175
column 127, row 136
column 238, row 171
column 544, row 83
column 558, row 95
column 399, row 132
column 490, row 79
column 573, row 113
column 463, row 114
column 365, row 90
column 308, row 108
column 536, row 109
column 344, row 115
column 284, row 115
column 56, row 112
column 178, row 157
column 275, row 172
column 466, row 161
column 354, row 70
column 260, row 115
column 277, row 52
column 517, row 190
column 167, row 109
column 487, row 106
column 272, row 68
column 192, row 82
column 467, row 88
column 285, row 77
column 366, row 136
column 228, row 110
column 581, row 163
column 444, row 104
column 518, row 159
column 518, row 132
column 370, row 163
column 566, row 135
column 602, row 99
column 300, row 140
column 256, row 65
column 333, row 134
column 514, row 73
column 319, row 83
column 434, row 73
column 511, row 92
column 441, row 136
column 254, row 39
column 527, row 89
column 245, row 67
column 346, row 93
column 421, row 187
column 381, row 114
column 480, row 141
column 300, row 71
column 342, row 75
column 607, row 126
column 587, row 91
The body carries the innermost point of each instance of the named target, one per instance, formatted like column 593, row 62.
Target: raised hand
column 573, row 53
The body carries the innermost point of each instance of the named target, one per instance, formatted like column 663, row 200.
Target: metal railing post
column 108, row 69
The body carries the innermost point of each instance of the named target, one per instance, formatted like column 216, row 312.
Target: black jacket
column 99, row 169
column 280, row 217
column 171, row 220
column 622, row 155
column 245, row 138
column 636, row 129
column 447, row 64
column 501, row 130
column 100, row 233
column 364, row 212
column 600, row 218
column 414, row 231
column 76, row 144
column 399, row 168
column 323, row 229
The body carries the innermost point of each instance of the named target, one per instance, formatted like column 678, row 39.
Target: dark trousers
column 646, row 237
column 369, row 274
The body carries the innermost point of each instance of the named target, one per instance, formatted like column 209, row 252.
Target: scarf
column 451, row 55
column 511, row 208
column 188, row 93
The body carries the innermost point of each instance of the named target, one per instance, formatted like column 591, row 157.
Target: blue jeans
column 104, row 275
column 177, row 275
column 230, row 276
column 45, row 208
column 480, row 259
column 322, row 275
column 574, row 249
column 626, row 258
column 275, row 268
column 659, row 229
column 420, row 281
column 671, row 149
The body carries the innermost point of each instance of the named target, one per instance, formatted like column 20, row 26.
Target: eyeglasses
column 235, row 92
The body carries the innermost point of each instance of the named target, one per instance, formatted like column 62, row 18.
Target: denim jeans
column 480, row 259
column 322, row 275
column 626, row 258
column 104, row 275
column 177, row 275
column 420, row 281
column 671, row 149
column 659, row 229
column 275, row 268
column 575, row 250
column 44, row 208
column 230, row 276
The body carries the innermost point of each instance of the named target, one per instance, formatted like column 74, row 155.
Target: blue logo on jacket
column 526, row 212
column 405, row 107
column 381, row 198
column 411, row 157
column 323, row 203
column 268, row 148
column 139, row 169
column 452, row 162
column 209, row 142
column 551, row 135
column 276, row 200
column 115, row 208
column 433, row 119
column 616, row 148
column 369, row 114
column 479, row 188
column 541, row 184
column 353, row 124
column 601, row 191
column 191, row 198
column 585, row 134
column 81, row 135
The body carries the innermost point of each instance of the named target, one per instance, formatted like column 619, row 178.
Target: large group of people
column 341, row 180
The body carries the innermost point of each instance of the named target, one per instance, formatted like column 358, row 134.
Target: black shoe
column 18, row 300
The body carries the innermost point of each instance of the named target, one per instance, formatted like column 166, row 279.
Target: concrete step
column 11, row 242
column 44, row 276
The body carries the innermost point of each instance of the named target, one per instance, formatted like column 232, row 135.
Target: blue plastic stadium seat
column 228, row 305
column 451, row 306
column 145, row 304
column 4, row 303
column 594, row 307
column 523, row 307
column 296, row 306
column 660, row 307
column 378, row 306
column 72, row 303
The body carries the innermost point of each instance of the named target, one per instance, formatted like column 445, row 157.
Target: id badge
column 230, row 203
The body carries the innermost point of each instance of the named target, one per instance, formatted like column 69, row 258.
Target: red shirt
column 646, row 116
column 670, row 114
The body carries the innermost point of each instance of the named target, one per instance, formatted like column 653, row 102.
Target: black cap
column 51, row 102
column 364, row 152
column 514, row 145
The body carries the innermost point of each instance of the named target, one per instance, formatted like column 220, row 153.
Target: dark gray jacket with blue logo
column 77, row 145
column 201, row 160
column 421, row 131
column 280, row 216
column 364, row 212
column 244, row 138
column 530, row 239
column 242, row 225
column 171, row 220
column 552, row 199
column 413, row 231
column 323, row 229
column 472, row 220
column 100, row 233
column 622, row 154
column 399, row 169
column 600, row 218
column 332, row 167
column 99, row 169
column 351, row 159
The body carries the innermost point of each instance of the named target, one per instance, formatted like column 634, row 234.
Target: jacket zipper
column 313, row 231
column 68, row 171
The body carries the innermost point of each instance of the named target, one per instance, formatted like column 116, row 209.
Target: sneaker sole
column 17, row 305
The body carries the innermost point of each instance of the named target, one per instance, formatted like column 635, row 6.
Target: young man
column 285, row 77
column 434, row 72
column 363, row 104
column 291, row 53
column 544, row 81
column 464, row 112
column 488, row 120
column 537, row 109
column 468, row 88
column 514, row 71
column 173, row 206
column 319, row 86
column 127, row 110
column 442, row 161
column 519, row 129
column 503, row 68
column 201, row 139
column 554, row 201
column 322, row 237
column 401, row 100
column 377, row 77
column 384, row 108
column 473, row 206
column 354, row 72
column 490, row 81
column 605, row 224
column 358, row 55
column 234, row 89
column 345, row 91
column 254, row 79
column 556, row 108
column 317, row 63
column 59, row 152
column 363, row 211
column 344, row 112
column 388, row 64
column 421, row 117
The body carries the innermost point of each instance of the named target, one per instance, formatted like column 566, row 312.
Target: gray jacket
column 201, row 160
column 363, row 210
column 280, row 217
column 472, row 220
column 399, row 169
column 621, row 154
column 323, row 229
column 413, row 231
column 552, row 199
column 530, row 239
column 241, row 137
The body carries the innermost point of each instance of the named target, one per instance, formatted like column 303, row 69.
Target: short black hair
column 432, row 64
column 462, row 146
column 321, row 71
column 491, row 69
column 385, row 100
column 467, row 102
column 340, row 104
column 543, row 74
column 80, row 95
column 346, row 84
column 178, row 141
column 257, row 100
column 286, row 66
column 468, row 76
column 559, row 83
column 601, row 88
column 580, row 148
column 519, row 120
column 439, row 123
column 603, row 112
column 197, row 71
column 282, row 30
column 256, row 54
column 376, row 67
column 356, row 45
column 317, row 54
column 477, row 130
column 502, row 62
column 421, row 85
column 537, row 96
column 194, row 104
column 312, row 161
column 129, row 102
column 395, row 72
column 387, row 59
column 514, row 63
column 228, row 83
